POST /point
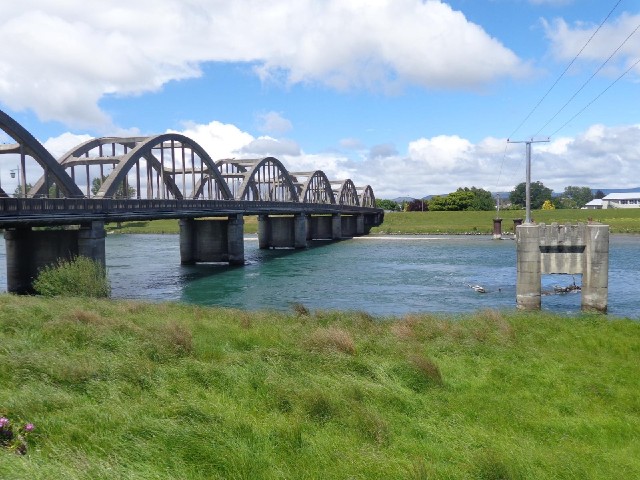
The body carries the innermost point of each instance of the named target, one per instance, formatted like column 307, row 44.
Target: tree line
column 468, row 199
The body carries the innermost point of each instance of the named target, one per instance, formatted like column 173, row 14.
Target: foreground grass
column 620, row 221
column 126, row 390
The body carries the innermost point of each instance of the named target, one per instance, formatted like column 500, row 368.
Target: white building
column 622, row 200
column 595, row 204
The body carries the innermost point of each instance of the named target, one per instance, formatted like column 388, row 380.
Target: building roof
column 596, row 202
column 623, row 196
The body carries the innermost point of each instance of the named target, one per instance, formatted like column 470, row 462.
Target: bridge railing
column 27, row 206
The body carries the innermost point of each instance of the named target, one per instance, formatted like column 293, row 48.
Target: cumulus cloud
column 220, row 140
column 274, row 123
column 382, row 151
column 600, row 157
column 271, row 147
column 64, row 57
column 568, row 39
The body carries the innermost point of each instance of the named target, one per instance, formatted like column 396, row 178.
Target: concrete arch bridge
column 115, row 179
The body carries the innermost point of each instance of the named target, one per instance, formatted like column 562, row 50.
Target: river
column 381, row 275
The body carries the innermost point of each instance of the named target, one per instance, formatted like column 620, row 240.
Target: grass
column 129, row 390
column 620, row 221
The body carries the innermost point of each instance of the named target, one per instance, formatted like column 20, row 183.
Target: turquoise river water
column 381, row 275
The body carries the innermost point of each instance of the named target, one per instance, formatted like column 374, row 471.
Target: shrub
column 79, row 277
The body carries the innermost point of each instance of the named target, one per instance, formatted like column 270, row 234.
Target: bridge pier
column 283, row 231
column 28, row 251
column 212, row 240
column 570, row 249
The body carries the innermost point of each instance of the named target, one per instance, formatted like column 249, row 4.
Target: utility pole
column 528, row 183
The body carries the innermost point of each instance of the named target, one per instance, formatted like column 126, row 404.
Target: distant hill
column 607, row 191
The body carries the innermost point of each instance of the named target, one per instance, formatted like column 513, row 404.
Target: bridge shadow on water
column 252, row 257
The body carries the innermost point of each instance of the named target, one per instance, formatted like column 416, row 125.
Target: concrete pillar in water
column 235, row 239
column 264, row 232
column 529, row 276
column 300, row 231
column 336, row 226
column 595, row 276
column 497, row 228
column 28, row 251
column 187, row 235
column 91, row 241
column 360, row 224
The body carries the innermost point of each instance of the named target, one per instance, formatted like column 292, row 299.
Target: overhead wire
column 565, row 70
column 597, row 97
column 588, row 80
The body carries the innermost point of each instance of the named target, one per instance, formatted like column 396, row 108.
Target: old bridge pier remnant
column 571, row 249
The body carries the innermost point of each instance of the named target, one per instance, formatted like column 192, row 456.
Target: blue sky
column 412, row 97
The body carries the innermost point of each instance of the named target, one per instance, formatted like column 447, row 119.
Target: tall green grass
column 78, row 277
column 127, row 390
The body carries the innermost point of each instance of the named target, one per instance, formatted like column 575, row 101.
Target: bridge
column 117, row 179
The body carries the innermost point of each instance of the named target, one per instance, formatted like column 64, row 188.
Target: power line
column 597, row 97
column 566, row 69
column 589, row 79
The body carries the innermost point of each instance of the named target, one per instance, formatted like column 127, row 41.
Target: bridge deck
column 16, row 212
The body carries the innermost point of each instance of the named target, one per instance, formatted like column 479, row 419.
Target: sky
column 412, row 97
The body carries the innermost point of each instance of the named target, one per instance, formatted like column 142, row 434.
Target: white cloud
column 600, row 157
column 62, row 144
column 220, row 140
column 267, row 146
column 65, row 57
column 567, row 40
column 274, row 122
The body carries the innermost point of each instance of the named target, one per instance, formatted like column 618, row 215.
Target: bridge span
column 117, row 179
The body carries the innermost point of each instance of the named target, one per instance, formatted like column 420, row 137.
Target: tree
column 539, row 193
column 600, row 195
column 576, row 197
column 463, row 199
column 387, row 205
column 548, row 205
column 96, row 183
column 19, row 192
column 416, row 206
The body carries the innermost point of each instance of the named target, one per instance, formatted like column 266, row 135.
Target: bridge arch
column 315, row 189
column 347, row 193
column 367, row 197
column 266, row 180
column 26, row 144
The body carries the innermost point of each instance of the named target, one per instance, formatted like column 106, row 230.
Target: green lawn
column 128, row 390
column 621, row 221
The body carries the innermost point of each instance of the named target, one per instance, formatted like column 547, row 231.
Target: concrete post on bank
column 528, row 281
column 595, row 276
column 497, row 228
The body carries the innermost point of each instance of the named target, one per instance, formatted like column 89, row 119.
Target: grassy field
column 621, row 221
column 127, row 390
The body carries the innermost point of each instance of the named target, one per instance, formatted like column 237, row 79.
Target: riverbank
column 120, row 389
column 453, row 223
